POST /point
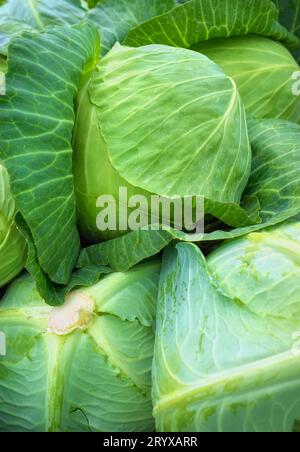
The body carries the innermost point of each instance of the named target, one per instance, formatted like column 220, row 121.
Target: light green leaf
column 262, row 270
column 13, row 255
column 44, row 74
column 13, row 249
column 115, row 18
column 7, row 203
column 217, row 365
column 134, row 285
column 141, row 145
column 201, row 20
column 264, row 72
column 97, row 377
column 275, row 176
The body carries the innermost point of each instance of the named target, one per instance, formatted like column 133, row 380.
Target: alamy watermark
column 130, row 213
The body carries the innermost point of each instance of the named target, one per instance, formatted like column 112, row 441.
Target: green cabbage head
column 85, row 366
column 13, row 250
column 158, row 120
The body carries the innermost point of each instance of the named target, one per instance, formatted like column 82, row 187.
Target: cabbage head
column 158, row 120
column 227, row 354
column 264, row 71
column 13, row 250
column 85, row 366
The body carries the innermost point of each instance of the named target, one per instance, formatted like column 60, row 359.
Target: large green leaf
column 176, row 75
column 17, row 16
column 275, row 181
column 95, row 378
column 217, row 365
column 115, row 18
column 201, row 20
column 36, row 124
column 263, row 71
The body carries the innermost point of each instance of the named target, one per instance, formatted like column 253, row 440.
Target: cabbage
column 60, row 159
column 12, row 245
column 119, row 142
column 176, row 100
column 85, row 366
column 226, row 355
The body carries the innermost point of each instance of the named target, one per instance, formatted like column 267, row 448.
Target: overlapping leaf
column 201, row 20
column 265, row 73
column 55, row 294
column 36, row 121
column 290, row 18
column 17, row 16
column 215, row 360
column 204, row 132
column 13, row 249
column 107, row 387
column 115, row 18
column 274, row 181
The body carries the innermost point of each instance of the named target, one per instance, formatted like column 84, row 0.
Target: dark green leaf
column 36, row 124
column 54, row 294
column 201, row 20
column 115, row 18
column 290, row 18
column 17, row 16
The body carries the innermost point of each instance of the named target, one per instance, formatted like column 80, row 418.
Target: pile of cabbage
column 155, row 328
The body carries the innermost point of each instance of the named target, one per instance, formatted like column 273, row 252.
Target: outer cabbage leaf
column 36, row 124
column 92, row 379
column 115, row 18
column 262, row 270
column 274, row 181
column 290, row 18
column 12, row 245
column 201, row 20
column 52, row 293
column 175, row 152
column 218, row 366
column 275, row 167
column 17, row 16
column 264, row 72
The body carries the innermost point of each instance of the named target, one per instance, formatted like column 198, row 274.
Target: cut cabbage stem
column 75, row 314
